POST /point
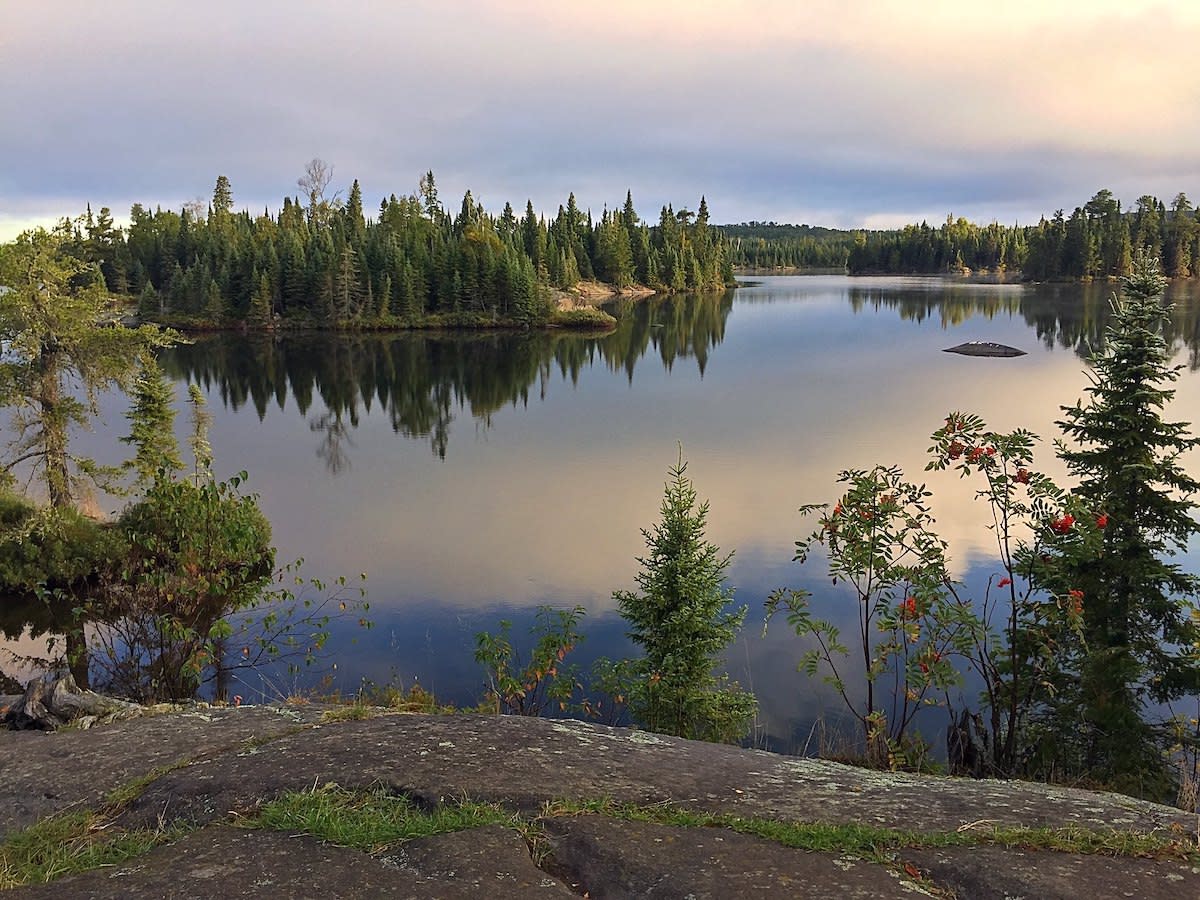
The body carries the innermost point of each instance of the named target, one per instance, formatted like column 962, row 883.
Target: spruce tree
column 681, row 619
column 1136, row 602
column 152, row 424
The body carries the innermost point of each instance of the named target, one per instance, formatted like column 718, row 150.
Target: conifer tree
column 152, row 424
column 58, row 355
column 222, row 201
column 261, row 311
column 1136, row 601
column 681, row 619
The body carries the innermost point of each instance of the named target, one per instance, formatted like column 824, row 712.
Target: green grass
column 81, row 839
column 373, row 819
column 876, row 843
column 72, row 842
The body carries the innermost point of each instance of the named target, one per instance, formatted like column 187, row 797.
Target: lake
column 474, row 478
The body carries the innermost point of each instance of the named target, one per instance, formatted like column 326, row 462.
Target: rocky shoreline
column 616, row 813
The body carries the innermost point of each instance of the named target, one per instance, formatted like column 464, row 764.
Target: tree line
column 321, row 261
column 1097, row 240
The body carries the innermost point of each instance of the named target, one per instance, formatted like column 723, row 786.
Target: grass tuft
column 69, row 843
column 880, row 844
column 373, row 819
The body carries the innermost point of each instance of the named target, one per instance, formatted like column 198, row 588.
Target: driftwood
column 968, row 746
column 984, row 348
column 55, row 700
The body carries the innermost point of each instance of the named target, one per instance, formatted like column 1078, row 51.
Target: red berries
column 1063, row 525
column 1076, row 601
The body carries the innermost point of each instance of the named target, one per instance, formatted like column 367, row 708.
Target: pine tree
column 261, row 313
column 1136, row 602
column 356, row 223
column 222, row 201
column 202, row 455
column 681, row 619
column 152, row 424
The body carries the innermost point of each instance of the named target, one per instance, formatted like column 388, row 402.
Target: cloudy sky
column 855, row 112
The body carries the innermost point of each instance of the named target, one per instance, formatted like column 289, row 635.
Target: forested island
column 1097, row 240
column 322, row 262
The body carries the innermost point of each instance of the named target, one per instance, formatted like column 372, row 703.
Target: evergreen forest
column 321, row 261
column 1096, row 241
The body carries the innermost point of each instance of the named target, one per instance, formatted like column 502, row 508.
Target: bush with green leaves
column 198, row 552
column 878, row 540
column 48, row 548
column 544, row 681
column 919, row 631
column 1025, row 628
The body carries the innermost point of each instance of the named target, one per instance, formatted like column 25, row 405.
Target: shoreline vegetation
column 1097, row 241
column 320, row 261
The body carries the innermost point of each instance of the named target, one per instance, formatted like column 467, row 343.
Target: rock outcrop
column 210, row 769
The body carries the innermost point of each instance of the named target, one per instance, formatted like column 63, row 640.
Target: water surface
column 476, row 477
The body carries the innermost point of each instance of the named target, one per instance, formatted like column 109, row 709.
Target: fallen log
column 55, row 700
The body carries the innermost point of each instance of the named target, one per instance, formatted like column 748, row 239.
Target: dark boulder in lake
column 984, row 348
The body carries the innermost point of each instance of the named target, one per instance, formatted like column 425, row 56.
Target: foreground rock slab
column 998, row 873
column 524, row 763
column 221, row 862
column 43, row 773
column 210, row 767
column 607, row 858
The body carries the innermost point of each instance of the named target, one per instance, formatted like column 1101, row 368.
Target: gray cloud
column 829, row 116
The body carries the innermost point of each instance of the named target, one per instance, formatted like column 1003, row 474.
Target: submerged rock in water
column 984, row 348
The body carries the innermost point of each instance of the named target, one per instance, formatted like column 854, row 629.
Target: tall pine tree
column 1136, row 602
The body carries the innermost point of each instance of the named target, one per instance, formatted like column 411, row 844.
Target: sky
column 852, row 113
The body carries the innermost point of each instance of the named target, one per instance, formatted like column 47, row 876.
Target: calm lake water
column 474, row 478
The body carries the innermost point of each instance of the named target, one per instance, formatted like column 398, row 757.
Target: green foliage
column 81, row 839
column 152, row 425
column 583, row 317
column 918, row 632
column 45, row 548
column 611, row 683
column 370, row 820
column 71, row 842
column 881, row 844
column 1024, row 629
column 681, row 620
column 202, row 455
column 544, row 681
column 1138, row 619
column 61, row 351
column 327, row 265
column 878, row 540
column 198, row 552
column 1096, row 240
